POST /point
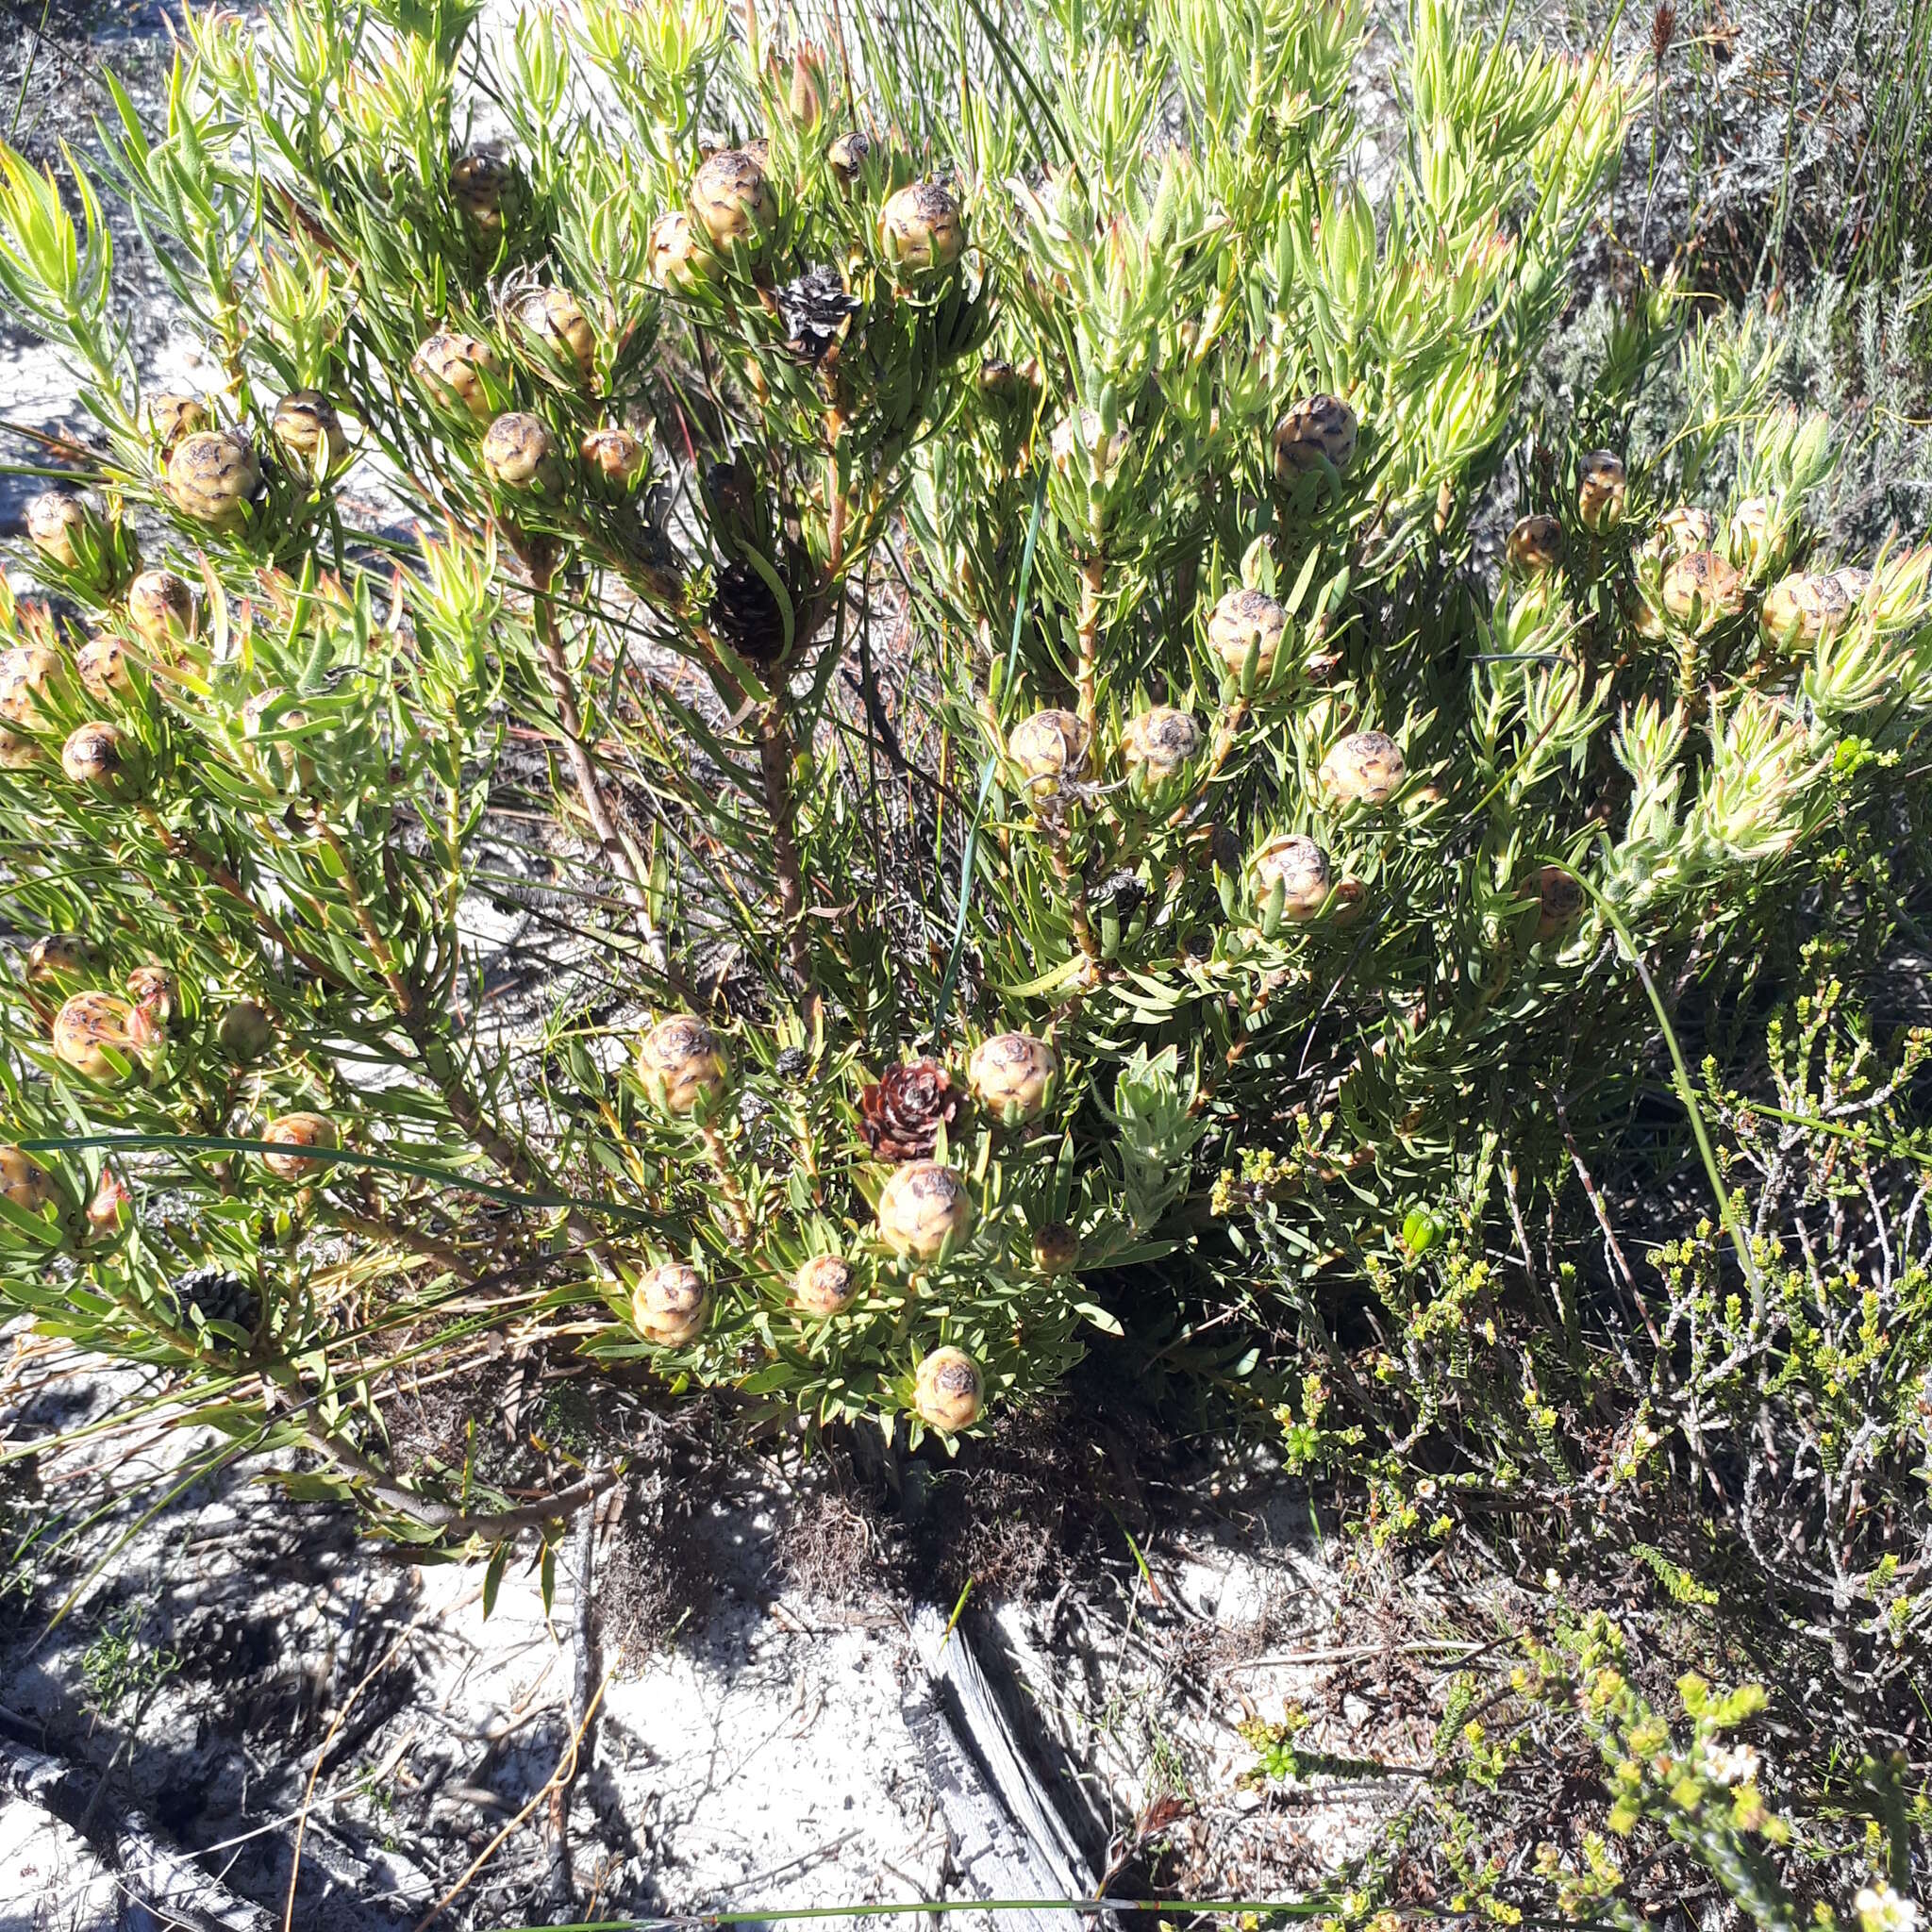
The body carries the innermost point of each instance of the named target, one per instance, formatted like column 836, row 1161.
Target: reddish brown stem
column 188, row 853
column 1092, row 582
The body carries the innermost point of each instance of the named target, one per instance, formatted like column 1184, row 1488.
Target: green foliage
column 1638, row 1804
column 1310, row 855
column 1718, row 1434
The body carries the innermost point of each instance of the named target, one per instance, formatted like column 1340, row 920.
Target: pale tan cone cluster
column 925, row 1208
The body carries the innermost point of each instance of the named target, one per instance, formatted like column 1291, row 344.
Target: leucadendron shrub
column 950, row 599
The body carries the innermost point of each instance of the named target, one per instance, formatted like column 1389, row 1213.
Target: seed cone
column 212, row 478
column 298, row 1130
column 1535, row 546
column 745, row 612
column 1317, row 429
column 1801, row 609
column 24, row 1181
column 1300, row 868
column 1248, row 620
column 102, row 666
column 731, row 199
column 677, row 252
column 923, row 1207
column 920, row 227
column 900, row 1114
column 669, row 1305
column 1601, row 489
column 453, row 364
column 1681, row 530
column 1701, row 587
column 1012, row 1074
column 308, row 432
column 614, row 456
column 246, row 1032
column 60, row 956
column 216, row 1294
column 848, row 153
column 1048, row 746
column 1055, row 1248
column 173, row 417
column 1748, row 534
column 97, row 755
column 948, row 1390
column 682, row 1064
column 160, row 606
column 25, row 673
column 88, row 1027
column 1159, row 743
column 1560, row 901
column 482, row 184
column 1366, row 768
column 818, row 309
column 825, row 1286
column 520, row 454
column 550, row 318
column 56, row 521
column 1121, row 894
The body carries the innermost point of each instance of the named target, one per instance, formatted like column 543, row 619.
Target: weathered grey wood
column 173, row 1888
column 1008, row 1838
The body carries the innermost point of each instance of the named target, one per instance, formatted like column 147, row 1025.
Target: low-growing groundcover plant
column 1556, row 1790
column 957, row 591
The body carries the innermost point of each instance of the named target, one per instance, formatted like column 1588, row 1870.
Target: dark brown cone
column 746, row 615
column 901, row 1114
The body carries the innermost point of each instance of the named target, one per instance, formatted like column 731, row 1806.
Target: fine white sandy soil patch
column 330, row 1707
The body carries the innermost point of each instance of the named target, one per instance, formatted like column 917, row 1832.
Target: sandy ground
column 328, row 1708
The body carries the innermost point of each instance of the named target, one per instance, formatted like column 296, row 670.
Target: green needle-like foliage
column 652, row 514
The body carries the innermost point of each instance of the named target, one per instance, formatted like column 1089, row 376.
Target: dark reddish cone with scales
column 746, row 614
column 901, row 1113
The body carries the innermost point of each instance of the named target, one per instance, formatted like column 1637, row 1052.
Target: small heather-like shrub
column 970, row 580
column 1731, row 1425
column 1631, row 1801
